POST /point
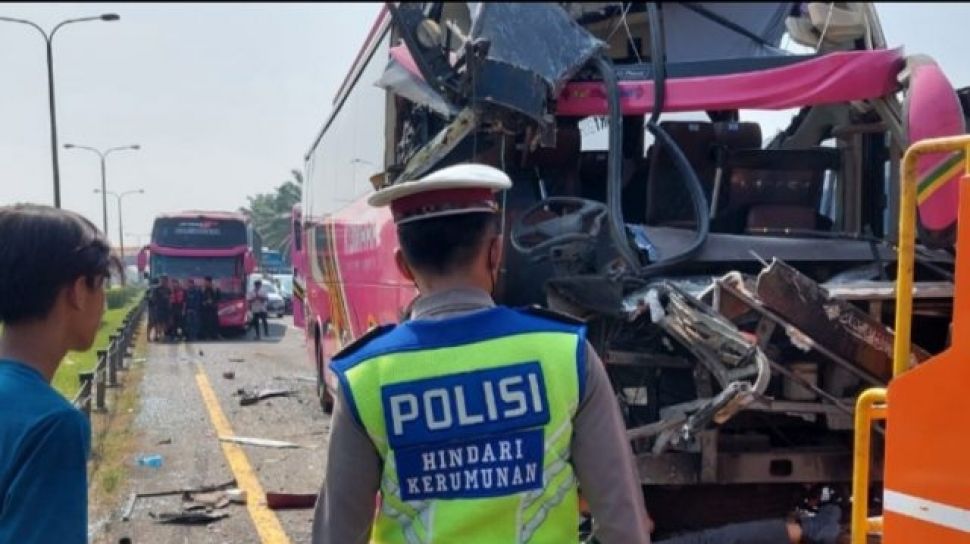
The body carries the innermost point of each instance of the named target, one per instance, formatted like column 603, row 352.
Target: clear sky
column 225, row 98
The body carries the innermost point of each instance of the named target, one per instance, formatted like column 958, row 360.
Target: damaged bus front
column 736, row 286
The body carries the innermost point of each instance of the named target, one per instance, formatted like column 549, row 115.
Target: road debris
column 154, row 461
column 252, row 397
column 164, row 442
column 287, row 501
column 228, row 489
column 308, row 379
column 129, row 507
column 205, row 501
column 259, row 442
column 236, row 360
column 188, row 518
column 229, row 375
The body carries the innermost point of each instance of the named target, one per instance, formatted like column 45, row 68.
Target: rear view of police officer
column 475, row 422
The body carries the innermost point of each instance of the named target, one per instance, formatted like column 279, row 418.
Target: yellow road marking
column 267, row 524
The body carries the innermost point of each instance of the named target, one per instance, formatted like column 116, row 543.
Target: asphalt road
column 182, row 394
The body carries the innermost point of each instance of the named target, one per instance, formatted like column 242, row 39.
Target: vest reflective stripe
column 464, row 435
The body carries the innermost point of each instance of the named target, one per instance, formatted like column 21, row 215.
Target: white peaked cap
column 462, row 188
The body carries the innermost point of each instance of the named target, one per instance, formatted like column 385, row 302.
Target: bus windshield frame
column 199, row 232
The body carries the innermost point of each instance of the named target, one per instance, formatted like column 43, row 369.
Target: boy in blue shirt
column 53, row 267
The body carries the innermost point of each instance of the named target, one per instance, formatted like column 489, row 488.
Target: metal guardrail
column 94, row 384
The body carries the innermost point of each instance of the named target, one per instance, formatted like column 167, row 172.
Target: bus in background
column 196, row 244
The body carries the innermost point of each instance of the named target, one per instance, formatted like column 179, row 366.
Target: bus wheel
column 326, row 399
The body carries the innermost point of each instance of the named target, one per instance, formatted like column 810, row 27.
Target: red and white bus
column 656, row 226
column 196, row 244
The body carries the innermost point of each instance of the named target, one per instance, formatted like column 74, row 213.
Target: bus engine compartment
column 738, row 285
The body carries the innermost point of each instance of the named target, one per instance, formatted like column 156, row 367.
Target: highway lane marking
column 267, row 524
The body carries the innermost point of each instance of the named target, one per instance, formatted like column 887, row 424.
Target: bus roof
column 377, row 29
column 187, row 214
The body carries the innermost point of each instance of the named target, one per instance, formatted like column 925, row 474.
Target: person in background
column 210, row 310
column 177, row 300
column 193, row 310
column 53, row 268
column 257, row 305
column 152, row 311
column 163, row 307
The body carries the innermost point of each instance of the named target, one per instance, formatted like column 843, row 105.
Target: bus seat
column 668, row 202
column 737, row 135
column 775, row 188
column 729, row 135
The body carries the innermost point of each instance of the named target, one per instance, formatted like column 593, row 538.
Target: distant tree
column 270, row 212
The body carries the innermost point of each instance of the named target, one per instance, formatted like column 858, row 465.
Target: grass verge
column 65, row 380
column 114, row 438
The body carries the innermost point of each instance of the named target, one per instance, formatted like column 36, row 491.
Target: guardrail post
column 125, row 342
column 85, row 380
column 100, row 377
column 114, row 347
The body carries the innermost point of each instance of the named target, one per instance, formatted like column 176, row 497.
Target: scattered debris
column 259, row 442
column 236, row 495
column 309, row 379
column 201, row 354
column 232, row 493
column 286, row 501
column 252, row 397
column 153, row 460
column 205, row 501
column 236, row 360
column 188, row 518
column 200, row 489
column 129, row 507
column 229, row 375
column 164, row 442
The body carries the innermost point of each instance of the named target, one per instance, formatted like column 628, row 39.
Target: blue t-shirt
column 44, row 448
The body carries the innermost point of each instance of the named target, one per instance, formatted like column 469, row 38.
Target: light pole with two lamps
column 49, row 38
column 121, row 237
column 104, row 189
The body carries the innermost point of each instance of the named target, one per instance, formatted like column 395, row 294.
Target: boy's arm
column 47, row 497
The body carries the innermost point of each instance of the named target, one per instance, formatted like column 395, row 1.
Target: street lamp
column 104, row 154
column 121, row 238
column 49, row 38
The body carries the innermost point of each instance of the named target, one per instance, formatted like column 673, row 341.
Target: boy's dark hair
column 43, row 249
column 441, row 245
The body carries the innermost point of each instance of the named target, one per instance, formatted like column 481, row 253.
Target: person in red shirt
column 177, row 304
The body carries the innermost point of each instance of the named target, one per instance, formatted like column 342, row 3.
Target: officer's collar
column 451, row 303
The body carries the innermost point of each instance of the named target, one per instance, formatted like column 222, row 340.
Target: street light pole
column 49, row 39
column 104, row 185
column 121, row 237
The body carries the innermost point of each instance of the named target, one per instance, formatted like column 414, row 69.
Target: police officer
column 475, row 422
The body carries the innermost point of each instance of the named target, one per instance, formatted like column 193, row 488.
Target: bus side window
column 298, row 235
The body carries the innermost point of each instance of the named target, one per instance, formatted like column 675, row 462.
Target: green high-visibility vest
column 472, row 417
